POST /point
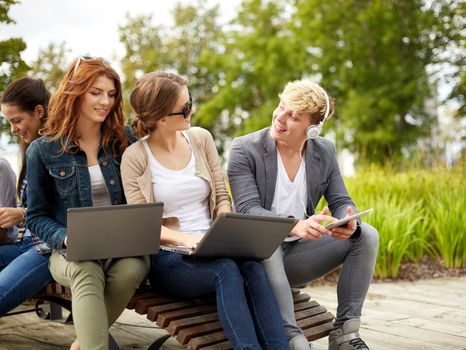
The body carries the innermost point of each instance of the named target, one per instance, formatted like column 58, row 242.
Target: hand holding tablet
column 344, row 220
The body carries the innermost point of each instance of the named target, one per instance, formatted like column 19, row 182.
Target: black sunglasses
column 187, row 109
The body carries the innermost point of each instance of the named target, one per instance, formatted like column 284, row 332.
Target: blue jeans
column 246, row 305
column 23, row 273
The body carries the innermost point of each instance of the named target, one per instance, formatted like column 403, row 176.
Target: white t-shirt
column 100, row 195
column 290, row 196
column 184, row 195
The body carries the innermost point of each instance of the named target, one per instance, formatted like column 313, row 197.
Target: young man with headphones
column 284, row 170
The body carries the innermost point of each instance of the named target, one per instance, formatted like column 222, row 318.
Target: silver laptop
column 113, row 231
column 236, row 235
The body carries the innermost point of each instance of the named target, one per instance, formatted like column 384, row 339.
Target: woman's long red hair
column 64, row 105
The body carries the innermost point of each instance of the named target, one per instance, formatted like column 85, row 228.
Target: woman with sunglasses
column 23, row 258
column 179, row 166
column 76, row 164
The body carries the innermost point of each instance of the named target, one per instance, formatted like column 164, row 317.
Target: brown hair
column 26, row 94
column 153, row 97
column 64, row 105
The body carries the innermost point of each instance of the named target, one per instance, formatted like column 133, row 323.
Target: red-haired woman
column 77, row 164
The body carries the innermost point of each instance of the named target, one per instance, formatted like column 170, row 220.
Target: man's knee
column 369, row 237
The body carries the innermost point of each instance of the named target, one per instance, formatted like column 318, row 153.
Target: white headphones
column 312, row 131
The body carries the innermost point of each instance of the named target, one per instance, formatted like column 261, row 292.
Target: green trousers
column 100, row 292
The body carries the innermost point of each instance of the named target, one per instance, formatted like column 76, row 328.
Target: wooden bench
column 194, row 322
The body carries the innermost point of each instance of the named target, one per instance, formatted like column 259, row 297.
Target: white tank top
column 100, row 196
column 184, row 195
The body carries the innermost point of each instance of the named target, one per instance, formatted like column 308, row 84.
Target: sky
column 87, row 26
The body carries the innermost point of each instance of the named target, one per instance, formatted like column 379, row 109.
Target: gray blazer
column 252, row 173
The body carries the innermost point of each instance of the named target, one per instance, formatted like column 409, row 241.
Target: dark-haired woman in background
column 23, row 258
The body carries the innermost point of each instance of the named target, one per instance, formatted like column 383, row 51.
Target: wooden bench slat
column 309, row 313
column 164, row 319
column 303, row 314
column 218, row 346
column 318, row 332
column 141, row 296
column 154, row 311
column 162, row 304
column 210, row 339
column 301, row 298
column 175, row 326
column 305, row 305
column 185, row 335
column 317, row 320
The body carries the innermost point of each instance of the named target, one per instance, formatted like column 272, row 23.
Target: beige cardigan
column 137, row 181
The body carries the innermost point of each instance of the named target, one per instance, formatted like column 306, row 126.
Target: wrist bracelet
column 23, row 217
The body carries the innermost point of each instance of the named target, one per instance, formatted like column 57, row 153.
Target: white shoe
column 299, row 342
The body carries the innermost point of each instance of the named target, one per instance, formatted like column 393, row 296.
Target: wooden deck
column 428, row 314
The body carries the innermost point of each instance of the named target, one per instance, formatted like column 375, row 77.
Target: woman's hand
column 223, row 209
column 172, row 237
column 311, row 228
column 191, row 240
column 10, row 217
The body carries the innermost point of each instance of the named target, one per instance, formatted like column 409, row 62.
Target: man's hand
column 345, row 231
column 10, row 217
column 311, row 228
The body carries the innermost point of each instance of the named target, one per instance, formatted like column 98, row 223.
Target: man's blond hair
column 307, row 96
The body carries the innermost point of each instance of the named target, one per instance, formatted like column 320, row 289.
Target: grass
column 447, row 210
column 417, row 212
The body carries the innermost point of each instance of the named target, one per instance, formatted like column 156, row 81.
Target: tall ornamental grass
column 417, row 212
column 447, row 211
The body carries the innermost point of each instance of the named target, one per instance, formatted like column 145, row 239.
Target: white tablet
column 344, row 220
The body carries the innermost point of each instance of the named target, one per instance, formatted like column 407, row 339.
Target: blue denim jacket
column 60, row 180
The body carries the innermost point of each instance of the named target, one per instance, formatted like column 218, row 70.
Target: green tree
column 459, row 62
column 195, row 33
column 258, row 55
column 12, row 65
column 51, row 64
column 143, row 51
column 378, row 58
column 177, row 47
